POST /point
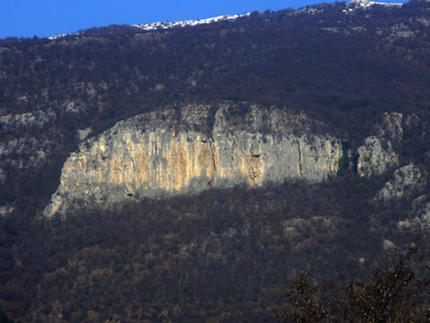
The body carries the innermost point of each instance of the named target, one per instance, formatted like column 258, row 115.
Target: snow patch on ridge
column 368, row 3
column 354, row 4
column 171, row 24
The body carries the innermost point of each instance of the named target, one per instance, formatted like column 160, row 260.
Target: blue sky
column 26, row 18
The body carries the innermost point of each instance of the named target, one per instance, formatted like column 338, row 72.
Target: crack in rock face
column 167, row 153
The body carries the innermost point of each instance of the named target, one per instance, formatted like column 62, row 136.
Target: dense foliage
column 220, row 256
column 400, row 293
column 345, row 69
column 225, row 256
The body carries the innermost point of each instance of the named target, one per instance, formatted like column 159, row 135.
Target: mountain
column 190, row 171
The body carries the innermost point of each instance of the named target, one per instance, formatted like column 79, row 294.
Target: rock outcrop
column 182, row 151
column 405, row 180
column 377, row 154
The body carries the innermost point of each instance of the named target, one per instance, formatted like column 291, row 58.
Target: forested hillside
column 358, row 73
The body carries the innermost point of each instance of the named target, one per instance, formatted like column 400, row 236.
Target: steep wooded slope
column 359, row 74
column 340, row 67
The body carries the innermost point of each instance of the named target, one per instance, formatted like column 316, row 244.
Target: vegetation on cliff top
column 225, row 255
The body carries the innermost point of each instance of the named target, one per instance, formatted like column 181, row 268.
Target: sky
column 42, row 18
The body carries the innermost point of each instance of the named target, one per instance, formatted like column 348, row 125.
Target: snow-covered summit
column 61, row 36
column 368, row 3
column 171, row 24
column 351, row 6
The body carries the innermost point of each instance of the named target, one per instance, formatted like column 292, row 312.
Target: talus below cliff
column 188, row 150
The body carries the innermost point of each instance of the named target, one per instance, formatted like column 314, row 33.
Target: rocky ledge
column 190, row 149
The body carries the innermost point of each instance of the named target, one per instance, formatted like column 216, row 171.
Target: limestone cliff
column 377, row 154
column 181, row 151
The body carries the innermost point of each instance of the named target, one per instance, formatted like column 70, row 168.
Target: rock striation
column 188, row 150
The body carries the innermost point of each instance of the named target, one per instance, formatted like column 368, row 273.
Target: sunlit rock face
column 188, row 150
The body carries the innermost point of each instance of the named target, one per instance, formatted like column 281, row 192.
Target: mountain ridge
column 357, row 80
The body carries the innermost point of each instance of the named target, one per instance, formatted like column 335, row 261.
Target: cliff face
column 192, row 149
column 377, row 154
